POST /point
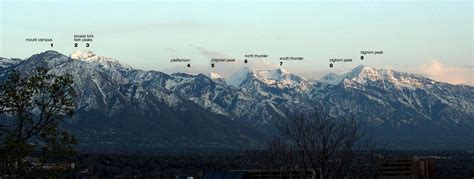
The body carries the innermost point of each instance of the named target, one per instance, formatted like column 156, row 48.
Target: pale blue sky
column 147, row 34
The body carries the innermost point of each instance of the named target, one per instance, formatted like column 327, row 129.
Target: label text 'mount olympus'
column 39, row 39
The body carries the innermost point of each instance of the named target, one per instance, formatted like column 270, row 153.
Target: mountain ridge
column 242, row 110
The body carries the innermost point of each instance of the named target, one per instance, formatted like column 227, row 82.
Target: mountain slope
column 120, row 105
column 116, row 102
column 394, row 98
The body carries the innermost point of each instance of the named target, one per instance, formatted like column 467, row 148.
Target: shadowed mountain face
column 120, row 105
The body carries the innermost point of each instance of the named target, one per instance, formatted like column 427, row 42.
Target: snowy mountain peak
column 360, row 68
column 238, row 77
column 89, row 56
column 214, row 75
column 270, row 75
column 360, row 74
column 85, row 55
column 331, row 78
column 364, row 72
column 279, row 78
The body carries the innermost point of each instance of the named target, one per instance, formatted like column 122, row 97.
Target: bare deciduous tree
column 317, row 141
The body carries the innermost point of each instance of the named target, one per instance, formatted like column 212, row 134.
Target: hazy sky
column 433, row 38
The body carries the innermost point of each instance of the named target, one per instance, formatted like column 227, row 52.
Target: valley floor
column 184, row 163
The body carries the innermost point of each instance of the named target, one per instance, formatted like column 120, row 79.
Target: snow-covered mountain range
column 121, row 105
